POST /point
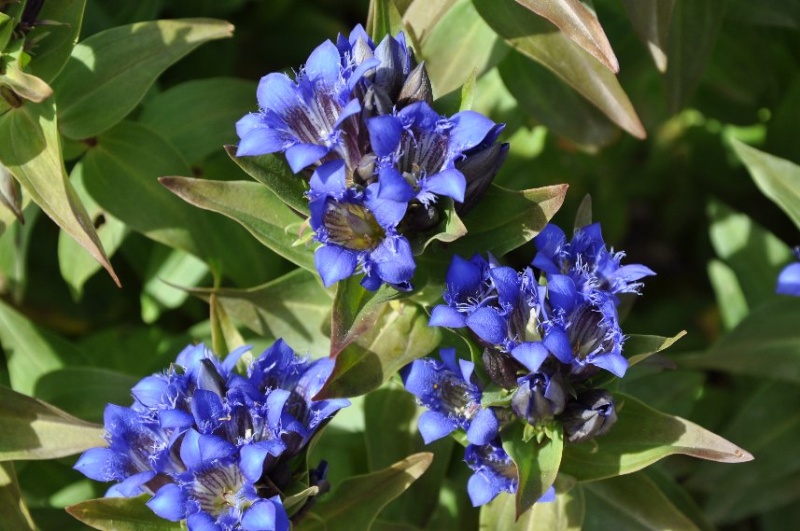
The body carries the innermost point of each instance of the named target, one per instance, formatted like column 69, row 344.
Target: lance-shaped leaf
column 55, row 40
column 641, row 437
column 356, row 310
column 33, row 429
column 109, row 73
column 32, row 154
column 295, row 307
column 225, row 338
column 31, row 351
column 505, row 219
column 166, row 267
column 650, row 19
column 546, row 98
column 250, row 204
column 11, row 195
column 777, row 178
column 730, row 297
column 400, row 335
column 565, row 514
column 173, row 114
column 692, row 35
column 458, row 45
column 121, row 173
column 383, row 18
column 121, row 514
column 537, row 463
column 13, row 511
column 359, row 500
column 423, row 15
column 580, row 24
column 633, row 503
column 24, row 85
column 274, row 172
column 537, row 38
column 638, row 347
column 766, row 343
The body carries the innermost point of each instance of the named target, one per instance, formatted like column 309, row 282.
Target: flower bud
column 502, row 368
column 417, row 87
column 540, row 397
column 479, row 168
column 590, row 416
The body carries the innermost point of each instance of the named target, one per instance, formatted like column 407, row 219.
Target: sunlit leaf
column 731, row 301
column 359, row 500
column 33, row 155
column 13, row 511
column 638, row 348
column 225, row 338
column 580, row 24
column 33, row 429
column 567, row 513
column 423, row 15
column 54, row 41
column 537, row 463
column 121, row 514
column 542, row 42
column 651, row 19
column 641, row 437
column 110, row 72
column 274, row 172
column 165, row 268
column 383, row 19
column 250, row 204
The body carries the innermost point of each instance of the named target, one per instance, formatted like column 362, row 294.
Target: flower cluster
column 358, row 119
column 214, row 447
column 543, row 338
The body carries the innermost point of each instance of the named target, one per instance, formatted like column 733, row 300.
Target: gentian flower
column 493, row 472
column 789, row 278
column 590, row 415
column 214, row 447
column 452, row 397
column 358, row 230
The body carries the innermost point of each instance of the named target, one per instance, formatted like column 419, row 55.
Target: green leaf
column 33, row 429
column 121, row 173
column 85, row 391
column 565, row 514
column 537, row 463
column 542, row 42
column 173, row 114
column 295, row 307
column 274, row 172
column 11, row 197
column 505, row 219
column 109, row 73
column 23, row 85
column 766, row 343
column 13, row 511
column 675, row 392
column 638, row 348
column 400, row 335
column 165, row 268
column 78, row 267
column 359, row 500
column 650, row 19
column 578, row 22
column 55, row 41
column 546, row 98
column 14, row 249
column 754, row 254
column 355, row 311
column 423, row 15
column 225, row 338
column 583, row 217
column 641, row 437
column 253, row 206
column 121, row 514
column 33, row 156
column 678, row 495
column 633, row 503
column 31, row 352
column 692, row 34
column 778, row 179
column 459, row 44
column 383, row 19
column 731, row 301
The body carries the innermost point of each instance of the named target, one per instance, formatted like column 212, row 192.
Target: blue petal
column 202, row 522
column 213, row 448
column 557, row 342
column 190, row 449
column 394, row 186
column 506, row 281
column 324, row 64
column 252, row 457
column 561, row 291
column 463, row 275
column 329, row 179
column 384, row 134
column 549, row 496
column 613, row 362
column 335, row 263
column 276, row 92
column 789, row 280
column 98, row 464
column 530, row 354
column 175, row 418
column 248, row 122
column 470, row 129
column 433, row 426
column 393, row 260
column 299, row 156
column 149, row 390
column 450, row 183
column 132, row 486
column 266, row 515
column 480, row 490
column 233, row 358
column 352, row 107
column 260, row 141
column 550, row 240
column 207, row 409
column 483, row 427
column 387, row 212
column 420, row 377
column 633, row 272
column 489, row 325
column 169, row 503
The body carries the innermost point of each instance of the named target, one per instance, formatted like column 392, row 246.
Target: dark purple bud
column 539, row 397
column 376, row 102
column 366, row 169
column 502, row 368
column 394, row 67
column 479, row 169
column 417, row 87
column 590, row 416
column 420, row 218
column 209, row 379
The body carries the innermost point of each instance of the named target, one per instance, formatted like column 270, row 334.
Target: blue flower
column 493, row 472
column 587, row 261
column 357, row 230
column 452, row 398
column 214, row 447
column 789, row 278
